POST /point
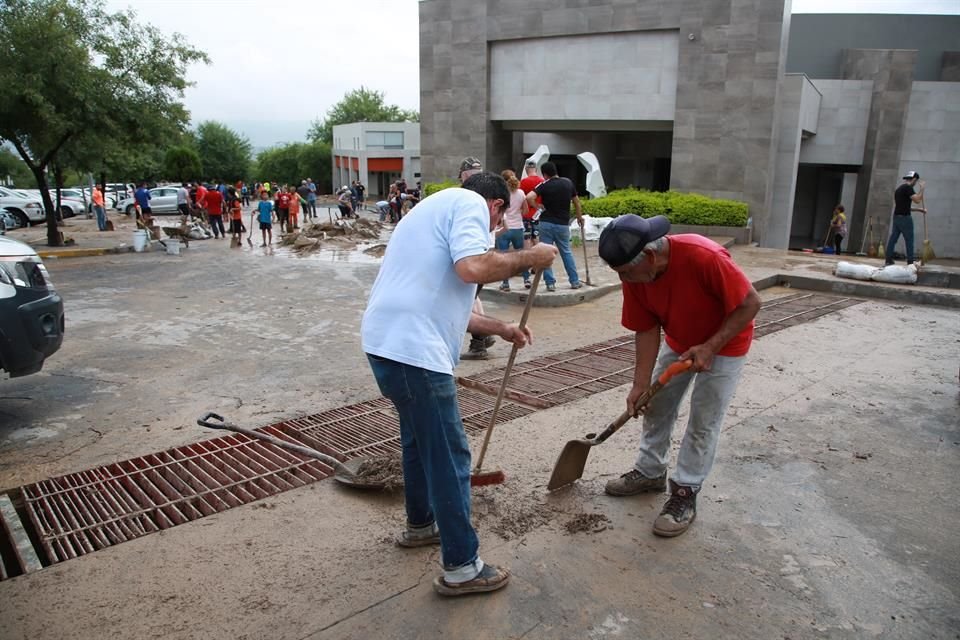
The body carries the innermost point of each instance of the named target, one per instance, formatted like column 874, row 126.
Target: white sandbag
column 591, row 227
column 896, row 274
column 855, row 271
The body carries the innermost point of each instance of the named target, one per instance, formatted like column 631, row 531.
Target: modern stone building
column 730, row 98
column 376, row 154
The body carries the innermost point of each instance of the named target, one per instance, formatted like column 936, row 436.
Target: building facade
column 729, row 98
column 376, row 154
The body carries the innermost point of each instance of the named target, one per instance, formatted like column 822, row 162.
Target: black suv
column 31, row 311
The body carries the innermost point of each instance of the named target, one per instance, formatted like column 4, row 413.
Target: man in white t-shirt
column 419, row 308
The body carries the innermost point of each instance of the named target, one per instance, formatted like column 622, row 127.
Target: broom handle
column 506, row 372
column 923, row 205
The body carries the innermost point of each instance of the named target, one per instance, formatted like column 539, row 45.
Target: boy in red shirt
column 283, row 210
column 528, row 184
column 236, row 220
column 690, row 287
column 213, row 203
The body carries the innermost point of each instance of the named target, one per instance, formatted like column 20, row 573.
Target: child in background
column 839, row 226
column 294, row 208
column 236, row 221
column 283, row 209
column 265, row 218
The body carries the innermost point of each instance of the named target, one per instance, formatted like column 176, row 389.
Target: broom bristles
column 927, row 253
column 485, row 478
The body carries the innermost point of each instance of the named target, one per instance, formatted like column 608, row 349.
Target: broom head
column 486, row 478
column 927, row 254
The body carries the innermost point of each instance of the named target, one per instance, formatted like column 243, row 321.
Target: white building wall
column 842, row 123
column 931, row 146
column 607, row 76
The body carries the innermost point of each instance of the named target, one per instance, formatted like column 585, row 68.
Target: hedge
column 681, row 208
column 431, row 188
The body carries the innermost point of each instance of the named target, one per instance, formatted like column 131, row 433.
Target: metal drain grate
column 79, row 513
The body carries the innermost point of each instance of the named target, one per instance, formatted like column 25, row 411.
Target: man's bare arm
column 496, row 265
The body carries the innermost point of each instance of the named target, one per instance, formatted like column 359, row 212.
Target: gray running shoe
column 633, row 482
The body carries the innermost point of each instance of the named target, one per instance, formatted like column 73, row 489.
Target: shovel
column 344, row 473
column 573, row 458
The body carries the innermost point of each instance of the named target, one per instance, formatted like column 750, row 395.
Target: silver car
column 162, row 200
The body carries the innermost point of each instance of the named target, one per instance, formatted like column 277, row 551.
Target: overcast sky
column 276, row 65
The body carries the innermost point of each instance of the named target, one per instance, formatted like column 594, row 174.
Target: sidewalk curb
column 81, row 253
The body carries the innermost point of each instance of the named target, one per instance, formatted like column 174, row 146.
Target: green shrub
column 680, row 208
column 431, row 188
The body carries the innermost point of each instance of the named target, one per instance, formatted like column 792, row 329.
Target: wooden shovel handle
column 674, row 369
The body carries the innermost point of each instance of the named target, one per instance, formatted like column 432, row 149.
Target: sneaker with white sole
column 678, row 513
column 413, row 537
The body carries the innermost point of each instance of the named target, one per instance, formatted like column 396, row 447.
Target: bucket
column 173, row 247
column 139, row 240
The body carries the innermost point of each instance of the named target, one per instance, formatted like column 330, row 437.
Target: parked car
column 162, row 200
column 28, row 210
column 31, row 311
column 69, row 206
column 7, row 221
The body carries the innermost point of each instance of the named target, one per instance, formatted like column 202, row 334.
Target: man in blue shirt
column 142, row 196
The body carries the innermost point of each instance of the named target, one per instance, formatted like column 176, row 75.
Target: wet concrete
column 828, row 514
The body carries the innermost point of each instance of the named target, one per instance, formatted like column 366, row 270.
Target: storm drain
column 66, row 517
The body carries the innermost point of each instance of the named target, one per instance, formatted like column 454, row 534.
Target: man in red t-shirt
column 213, row 203
column 690, row 287
column 527, row 185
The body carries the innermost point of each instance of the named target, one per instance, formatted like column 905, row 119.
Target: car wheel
column 129, row 210
column 21, row 217
column 66, row 211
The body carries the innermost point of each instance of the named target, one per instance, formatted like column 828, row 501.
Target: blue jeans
column 559, row 236
column 436, row 456
column 712, row 392
column 101, row 217
column 901, row 225
column 512, row 238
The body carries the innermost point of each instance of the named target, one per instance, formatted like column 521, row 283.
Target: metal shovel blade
column 570, row 464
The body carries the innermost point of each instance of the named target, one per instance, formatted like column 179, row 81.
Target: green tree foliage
column 291, row 163
column 12, row 168
column 84, row 82
column 224, row 153
column 359, row 105
column 182, row 164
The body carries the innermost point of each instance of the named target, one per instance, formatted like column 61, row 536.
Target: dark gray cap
column 624, row 238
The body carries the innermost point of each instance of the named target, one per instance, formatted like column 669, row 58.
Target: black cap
column 624, row 237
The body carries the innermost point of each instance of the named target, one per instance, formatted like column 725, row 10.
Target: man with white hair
column 690, row 287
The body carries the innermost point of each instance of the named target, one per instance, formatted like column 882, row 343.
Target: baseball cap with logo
column 624, row 237
column 911, row 175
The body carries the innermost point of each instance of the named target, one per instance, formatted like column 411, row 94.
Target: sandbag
column 591, row 227
column 896, row 274
column 854, row 271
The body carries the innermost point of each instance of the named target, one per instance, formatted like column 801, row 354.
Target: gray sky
column 277, row 65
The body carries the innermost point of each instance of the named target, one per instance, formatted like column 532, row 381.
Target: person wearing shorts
column 236, row 220
column 265, row 218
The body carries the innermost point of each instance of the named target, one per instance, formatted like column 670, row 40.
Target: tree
column 224, row 153
column 13, row 169
column 86, row 80
column 291, row 163
column 182, row 164
column 359, row 105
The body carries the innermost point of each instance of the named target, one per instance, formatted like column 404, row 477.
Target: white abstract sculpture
column 595, row 185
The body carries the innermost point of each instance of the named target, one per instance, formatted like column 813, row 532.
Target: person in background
column 265, row 218
column 98, row 209
column 557, row 193
column 283, row 209
column 838, row 224
column 236, row 219
column 294, row 209
column 903, row 199
column 142, row 198
column 312, row 197
column 512, row 226
column 213, row 202
column 530, row 219
column 183, row 202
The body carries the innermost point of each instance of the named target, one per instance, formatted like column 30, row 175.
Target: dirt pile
column 508, row 514
column 587, row 523
column 385, row 470
column 339, row 233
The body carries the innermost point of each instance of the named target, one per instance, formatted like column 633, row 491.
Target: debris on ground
column 385, row 470
column 341, row 233
column 587, row 523
column 862, row 456
column 376, row 250
column 510, row 515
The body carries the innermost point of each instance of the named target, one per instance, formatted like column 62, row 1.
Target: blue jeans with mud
column 901, row 225
column 436, row 455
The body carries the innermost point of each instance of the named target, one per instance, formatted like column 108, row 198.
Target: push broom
column 480, row 478
column 926, row 254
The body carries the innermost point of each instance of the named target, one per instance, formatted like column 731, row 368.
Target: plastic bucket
column 139, row 240
column 173, row 247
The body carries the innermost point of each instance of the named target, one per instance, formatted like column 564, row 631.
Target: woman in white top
column 512, row 233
